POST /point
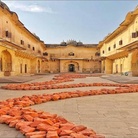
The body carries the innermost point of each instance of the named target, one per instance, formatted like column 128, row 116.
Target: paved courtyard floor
column 114, row 115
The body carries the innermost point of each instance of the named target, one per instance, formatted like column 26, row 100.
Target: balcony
column 130, row 46
column 10, row 45
column 115, row 54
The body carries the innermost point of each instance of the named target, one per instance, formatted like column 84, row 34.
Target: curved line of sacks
column 50, row 84
column 44, row 86
column 42, row 124
column 34, row 85
column 66, row 75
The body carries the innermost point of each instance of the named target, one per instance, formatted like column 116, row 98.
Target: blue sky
column 86, row 21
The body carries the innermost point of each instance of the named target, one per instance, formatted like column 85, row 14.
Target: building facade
column 21, row 52
column 119, row 50
column 72, row 56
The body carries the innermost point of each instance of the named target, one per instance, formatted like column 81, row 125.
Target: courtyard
column 110, row 115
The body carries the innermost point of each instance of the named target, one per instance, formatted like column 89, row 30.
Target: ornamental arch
column 6, row 62
column 71, row 66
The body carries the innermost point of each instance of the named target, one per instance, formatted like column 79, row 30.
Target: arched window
column 29, row 46
column 71, row 54
column 97, row 54
column 33, row 48
column 120, row 42
column 114, row 45
column 45, row 54
column 39, row 51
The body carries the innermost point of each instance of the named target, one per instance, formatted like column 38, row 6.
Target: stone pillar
column 0, row 64
column 103, row 66
column 130, row 62
column 108, row 66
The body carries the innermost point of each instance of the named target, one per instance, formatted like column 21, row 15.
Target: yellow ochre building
column 119, row 50
column 23, row 52
column 72, row 56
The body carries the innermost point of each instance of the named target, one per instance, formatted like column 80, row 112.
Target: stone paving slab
column 26, row 78
column 19, row 79
column 102, row 113
column 113, row 115
column 121, row 78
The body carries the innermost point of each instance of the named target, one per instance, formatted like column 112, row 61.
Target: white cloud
column 28, row 8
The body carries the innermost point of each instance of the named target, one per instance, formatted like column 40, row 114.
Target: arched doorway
column 134, row 63
column 38, row 66
column 71, row 68
column 6, row 61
